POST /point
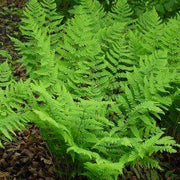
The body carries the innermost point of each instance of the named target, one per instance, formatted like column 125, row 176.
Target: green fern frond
column 148, row 30
column 5, row 54
column 93, row 10
column 5, row 74
column 121, row 12
column 10, row 124
column 37, row 55
column 147, row 92
column 86, row 67
column 53, row 21
column 15, row 102
column 170, row 42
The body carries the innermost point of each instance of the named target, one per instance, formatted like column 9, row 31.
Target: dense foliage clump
column 164, row 8
column 100, row 86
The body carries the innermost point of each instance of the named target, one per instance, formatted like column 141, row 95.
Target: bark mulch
column 27, row 158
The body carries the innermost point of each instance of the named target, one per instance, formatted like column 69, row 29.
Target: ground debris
column 27, row 157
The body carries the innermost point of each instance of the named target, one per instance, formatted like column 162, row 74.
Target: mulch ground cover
column 28, row 157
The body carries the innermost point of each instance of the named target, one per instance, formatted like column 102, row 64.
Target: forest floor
column 27, row 157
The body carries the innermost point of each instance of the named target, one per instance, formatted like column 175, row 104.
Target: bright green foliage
column 82, row 54
column 7, row 124
column 41, row 25
column 39, row 60
column 121, row 12
column 94, row 10
column 146, row 94
column 15, row 98
column 5, row 74
column 99, row 84
column 148, row 31
column 5, row 54
column 172, row 31
column 96, row 45
column 102, row 146
column 113, row 39
column 14, row 108
column 118, row 58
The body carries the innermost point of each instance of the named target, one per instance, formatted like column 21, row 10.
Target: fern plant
column 100, row 84
column 89, row 137
column 84, row 58
column 41, row 27
column 14, row 100
column 5, row 75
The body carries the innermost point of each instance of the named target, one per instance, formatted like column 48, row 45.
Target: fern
column 83, row 56
column 121, row 12
column 99, row 87
column 5, row 75
column 5, row 54
column 94, row 11
column 147, row 89
column 146, row 38
column 39, row 59
column 172, row 32
column 12, row 94
column 10, row 117
column 14, row 108
column 117, row 55
column 86, row 131
column 53, row 21
column 41, row 27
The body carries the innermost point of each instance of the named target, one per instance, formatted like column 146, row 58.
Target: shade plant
column 100, row 85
